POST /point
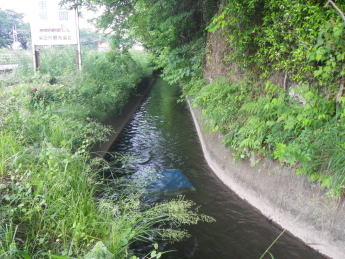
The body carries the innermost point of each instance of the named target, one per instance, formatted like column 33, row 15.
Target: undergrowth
column 49, row 182
column 300, row 124
column 271, row 123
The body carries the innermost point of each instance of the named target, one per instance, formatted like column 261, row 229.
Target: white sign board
column 52, row 24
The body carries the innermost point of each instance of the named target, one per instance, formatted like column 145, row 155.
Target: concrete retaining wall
column 288, row 199
column 118, row 122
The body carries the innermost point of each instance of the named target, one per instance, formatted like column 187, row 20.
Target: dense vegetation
column 301, row 126
column 302, row 40
column 174, row 31
column 55, row 202
column 49, row 124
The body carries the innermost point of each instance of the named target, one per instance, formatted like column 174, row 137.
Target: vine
column 300, row 38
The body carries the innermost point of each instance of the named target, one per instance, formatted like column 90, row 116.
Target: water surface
column 162, row 136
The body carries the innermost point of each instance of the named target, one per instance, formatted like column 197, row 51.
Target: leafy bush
column 108, row 91
column 302, row 38
column 182, row 65
column 144, row 59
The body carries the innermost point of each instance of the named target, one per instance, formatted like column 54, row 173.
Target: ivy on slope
column 309, row 138
column 303, row 126
column 303, row 38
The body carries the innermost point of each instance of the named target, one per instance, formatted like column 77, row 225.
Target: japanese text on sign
column 52, row 24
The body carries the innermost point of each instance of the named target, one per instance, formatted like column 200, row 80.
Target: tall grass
column 57, row 61
column 50, row 187
column 108, row 91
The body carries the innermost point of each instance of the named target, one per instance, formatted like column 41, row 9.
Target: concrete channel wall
column 118, row 122
column 288, row 199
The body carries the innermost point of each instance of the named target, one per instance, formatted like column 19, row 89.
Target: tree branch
column 341, row 89
column 337, row 8
column 285, row 81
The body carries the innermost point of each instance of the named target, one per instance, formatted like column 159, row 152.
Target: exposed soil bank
column 118, row 122
column 288, row 199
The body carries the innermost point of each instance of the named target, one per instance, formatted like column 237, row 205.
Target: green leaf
column 153, row 254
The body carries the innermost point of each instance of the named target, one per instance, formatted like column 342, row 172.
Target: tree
column 8, row 19
column 156, row 23
column 173, row 30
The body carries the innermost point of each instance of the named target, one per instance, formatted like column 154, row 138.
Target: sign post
column 53, row 25
column 78, row 39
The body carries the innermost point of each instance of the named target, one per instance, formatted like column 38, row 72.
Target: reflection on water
column 161, row 136
column 165, row 181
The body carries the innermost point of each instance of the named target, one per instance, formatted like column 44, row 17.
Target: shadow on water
column 162, row 136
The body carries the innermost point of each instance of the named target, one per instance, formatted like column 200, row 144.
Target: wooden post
column 36, row 58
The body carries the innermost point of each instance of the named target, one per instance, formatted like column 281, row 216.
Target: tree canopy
column 173, row 30
column 156, row 23
column 8, row 19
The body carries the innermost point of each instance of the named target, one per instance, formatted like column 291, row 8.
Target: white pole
column 33, row 48
column 78, row 39
column 34, row 58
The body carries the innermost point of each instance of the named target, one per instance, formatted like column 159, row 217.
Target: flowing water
column 161, row 135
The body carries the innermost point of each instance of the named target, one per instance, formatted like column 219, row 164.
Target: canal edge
column 255, row 185
column 119, row 122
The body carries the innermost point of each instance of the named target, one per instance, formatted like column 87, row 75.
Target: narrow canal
column 161, row 135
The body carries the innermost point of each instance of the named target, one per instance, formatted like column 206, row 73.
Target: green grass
column 54, row 200
column 57, row 61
